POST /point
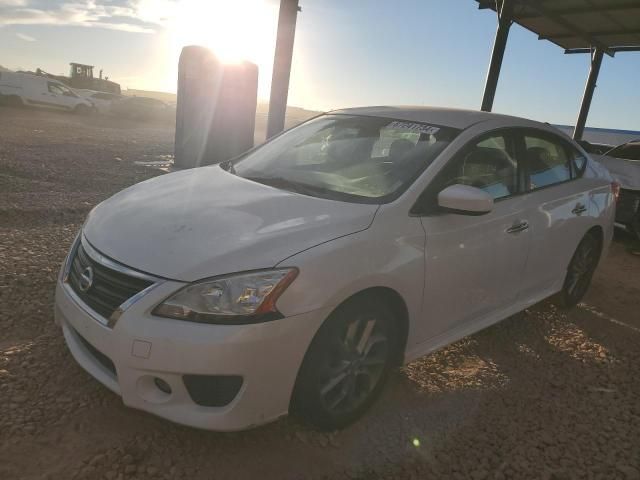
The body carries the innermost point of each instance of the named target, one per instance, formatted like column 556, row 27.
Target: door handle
column 579, row 209
column 518, row 227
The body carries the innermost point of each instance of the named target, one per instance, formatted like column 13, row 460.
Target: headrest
column 538, row 158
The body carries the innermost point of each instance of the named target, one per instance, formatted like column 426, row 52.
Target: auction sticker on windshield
column 414, row 127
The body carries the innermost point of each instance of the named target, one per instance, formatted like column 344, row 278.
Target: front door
column 60, row 96
column 474, row 264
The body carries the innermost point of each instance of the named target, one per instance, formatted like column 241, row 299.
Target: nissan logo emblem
column 86, row 279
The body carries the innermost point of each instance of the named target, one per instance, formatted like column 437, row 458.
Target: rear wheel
column 634, row 226
column 346, row 365
column 14, row 101
column 580, row 271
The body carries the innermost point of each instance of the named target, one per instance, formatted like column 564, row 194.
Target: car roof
column 24, row 75
column 449, row 117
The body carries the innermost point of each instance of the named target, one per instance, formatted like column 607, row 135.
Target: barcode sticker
column 414, row 127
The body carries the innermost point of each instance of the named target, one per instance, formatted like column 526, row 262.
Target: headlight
column 234, row 299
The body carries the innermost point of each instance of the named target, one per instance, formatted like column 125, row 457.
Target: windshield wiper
column 302, row 188
column 228, row 166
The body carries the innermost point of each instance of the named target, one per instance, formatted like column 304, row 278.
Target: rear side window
column 579, row 161
column 55, row 88
column 547, row 161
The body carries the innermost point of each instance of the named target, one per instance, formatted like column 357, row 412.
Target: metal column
column 282, row 66
column 596, row 62
column 502, row 34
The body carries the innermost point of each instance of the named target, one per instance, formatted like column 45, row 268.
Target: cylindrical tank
column 216, row 108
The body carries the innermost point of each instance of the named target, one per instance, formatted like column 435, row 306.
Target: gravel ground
column 544, row 394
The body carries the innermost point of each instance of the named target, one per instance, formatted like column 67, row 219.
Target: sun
column 234, row 30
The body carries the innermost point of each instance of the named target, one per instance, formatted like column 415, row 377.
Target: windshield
column 628, row 151
column 346, row 157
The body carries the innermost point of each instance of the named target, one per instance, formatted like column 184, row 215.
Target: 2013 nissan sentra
column 295, row 277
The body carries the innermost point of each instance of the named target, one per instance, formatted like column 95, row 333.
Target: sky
column 347, row 52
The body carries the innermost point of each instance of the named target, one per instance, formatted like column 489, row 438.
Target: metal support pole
column 282, row 66
column 499, row 45
column 596, row 62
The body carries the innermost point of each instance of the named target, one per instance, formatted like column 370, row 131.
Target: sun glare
column 234, row 30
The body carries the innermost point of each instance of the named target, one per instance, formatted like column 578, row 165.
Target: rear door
column 474, row 264
column 10, row 84
column 557, row 209
column 34, row 90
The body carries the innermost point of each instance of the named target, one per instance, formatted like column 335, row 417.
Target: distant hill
column 263, row 107
column 294, row 115
column 4, row 69
column 164, row 96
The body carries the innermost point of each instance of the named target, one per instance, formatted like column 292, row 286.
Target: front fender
column 382, row 256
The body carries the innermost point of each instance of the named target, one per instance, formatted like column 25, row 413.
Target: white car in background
column 102, row 101
column 623, row 163
column 19, row 89
column 295, row 277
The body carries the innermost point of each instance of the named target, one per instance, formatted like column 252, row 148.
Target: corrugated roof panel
column 579, row 24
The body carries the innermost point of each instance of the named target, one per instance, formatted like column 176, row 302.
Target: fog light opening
column 162, row 385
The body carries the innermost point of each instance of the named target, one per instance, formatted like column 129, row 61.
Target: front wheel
column 580, row 271
column 346, row 365
column 82, row 110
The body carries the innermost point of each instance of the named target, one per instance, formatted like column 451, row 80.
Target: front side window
column 547, row 161
column 488, row 165
column 346, row 157
column 55, row 88
column 60, row 89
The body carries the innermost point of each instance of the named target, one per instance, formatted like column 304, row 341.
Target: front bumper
column 142, row 347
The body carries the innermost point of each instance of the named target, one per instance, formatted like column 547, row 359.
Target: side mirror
column 465, row 200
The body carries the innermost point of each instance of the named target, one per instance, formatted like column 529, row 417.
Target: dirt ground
column 543, row 395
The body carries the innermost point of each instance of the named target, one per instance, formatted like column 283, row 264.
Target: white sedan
column 295, row 277
column 101, row 101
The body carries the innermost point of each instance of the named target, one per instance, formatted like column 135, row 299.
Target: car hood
column 625, row 172
column 205, row 221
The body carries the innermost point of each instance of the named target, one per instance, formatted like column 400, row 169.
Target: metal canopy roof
column 597, row 27
column 580, row 25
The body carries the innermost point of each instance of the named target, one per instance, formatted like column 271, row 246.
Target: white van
column 26, row 89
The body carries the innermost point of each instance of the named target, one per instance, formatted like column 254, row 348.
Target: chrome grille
column 109, row 288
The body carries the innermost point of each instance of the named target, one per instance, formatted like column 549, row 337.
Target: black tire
column 634, row 226
column 14, row 101
column 580, row 270
column 82, row 110
column 347, row 364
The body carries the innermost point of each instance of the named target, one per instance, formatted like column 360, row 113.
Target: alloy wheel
column 581, row 268
column 354, row 365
